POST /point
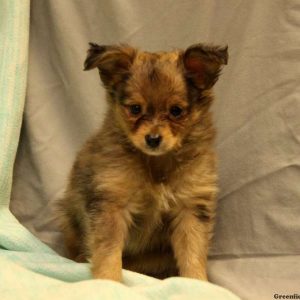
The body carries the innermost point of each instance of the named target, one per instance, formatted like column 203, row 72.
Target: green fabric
column 30, row 269
column 14, row 17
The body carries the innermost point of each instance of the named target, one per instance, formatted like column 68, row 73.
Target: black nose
column 153, row 140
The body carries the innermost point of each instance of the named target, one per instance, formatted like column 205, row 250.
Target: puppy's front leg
column 106, row 242
column 190, row 239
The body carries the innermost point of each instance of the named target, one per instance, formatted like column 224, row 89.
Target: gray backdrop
column 257, row 112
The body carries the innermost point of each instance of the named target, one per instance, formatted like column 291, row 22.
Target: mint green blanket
column 30, row 269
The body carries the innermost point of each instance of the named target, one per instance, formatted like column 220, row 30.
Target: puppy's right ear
column 203, row 64
column 113, row 62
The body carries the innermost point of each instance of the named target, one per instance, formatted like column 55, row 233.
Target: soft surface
column 31, row 270
column 256, row 246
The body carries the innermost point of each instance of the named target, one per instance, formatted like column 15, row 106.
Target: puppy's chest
column 161, row 186
column 153, row 210
column 154, row 199
column 151, row 221
column 164, row 197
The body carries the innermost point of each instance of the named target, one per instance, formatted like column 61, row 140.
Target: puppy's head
column 157, row 98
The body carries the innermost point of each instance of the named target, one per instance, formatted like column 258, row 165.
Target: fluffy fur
column 147, row 207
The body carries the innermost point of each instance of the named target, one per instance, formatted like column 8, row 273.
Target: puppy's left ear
column 202, row 64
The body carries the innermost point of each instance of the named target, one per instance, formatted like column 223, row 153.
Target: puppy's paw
column 115, row 275
column 196, row 274
column 107, row 267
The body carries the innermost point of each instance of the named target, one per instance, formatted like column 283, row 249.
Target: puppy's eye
column 135, row 109
column 175, row 111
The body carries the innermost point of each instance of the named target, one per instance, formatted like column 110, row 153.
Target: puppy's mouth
column 153, row 150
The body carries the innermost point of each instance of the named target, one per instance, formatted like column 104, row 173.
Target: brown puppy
column 142, row 191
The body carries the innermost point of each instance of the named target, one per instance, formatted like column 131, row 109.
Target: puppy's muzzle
column 153, row 140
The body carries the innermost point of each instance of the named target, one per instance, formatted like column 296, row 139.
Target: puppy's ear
column 113, row 62
column 202, row 64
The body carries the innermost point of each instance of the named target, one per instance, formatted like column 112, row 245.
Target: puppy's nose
column 153, row 140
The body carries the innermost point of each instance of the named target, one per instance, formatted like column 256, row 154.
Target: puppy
column 141, row 194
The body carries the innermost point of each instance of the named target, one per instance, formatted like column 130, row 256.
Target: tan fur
column 148, row 210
